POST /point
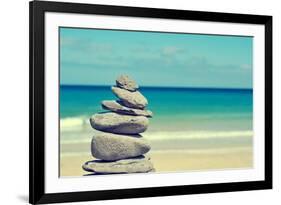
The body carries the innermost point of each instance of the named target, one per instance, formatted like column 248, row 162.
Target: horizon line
column 167, row 87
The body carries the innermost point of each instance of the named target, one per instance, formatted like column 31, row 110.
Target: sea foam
column 179, row 135
column 74, row 123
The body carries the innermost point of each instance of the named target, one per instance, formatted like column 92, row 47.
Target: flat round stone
column 130, row 99
column 132, row 165
column 115, row 106
column 118, row 123
column 111, row 147
column 127, row 83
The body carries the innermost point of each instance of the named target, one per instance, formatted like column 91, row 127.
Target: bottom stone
column 132, row 165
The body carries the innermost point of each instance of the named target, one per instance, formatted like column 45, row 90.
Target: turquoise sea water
column 184, row 118
column 206, row 118
column 174, row 109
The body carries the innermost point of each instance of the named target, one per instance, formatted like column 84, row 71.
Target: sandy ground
column 174, row 160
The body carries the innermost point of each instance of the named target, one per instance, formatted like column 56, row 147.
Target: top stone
column 127, row 83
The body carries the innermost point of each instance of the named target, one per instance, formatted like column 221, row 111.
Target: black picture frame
column 37, row 10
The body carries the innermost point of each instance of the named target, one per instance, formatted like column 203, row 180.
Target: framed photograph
column 130, row 102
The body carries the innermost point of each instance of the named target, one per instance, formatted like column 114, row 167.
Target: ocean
column 214, row 125
column 203, row 114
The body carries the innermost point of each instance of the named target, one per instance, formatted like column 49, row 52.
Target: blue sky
column 97, row 57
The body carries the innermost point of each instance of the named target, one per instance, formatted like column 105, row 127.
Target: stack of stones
column 117, row 144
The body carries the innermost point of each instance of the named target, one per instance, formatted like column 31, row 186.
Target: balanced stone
column 133, row 165
column 130, row 99
column 117, row 146
column 118, row 123
column 111, row 147
column 115, row 106
column 127, row 83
